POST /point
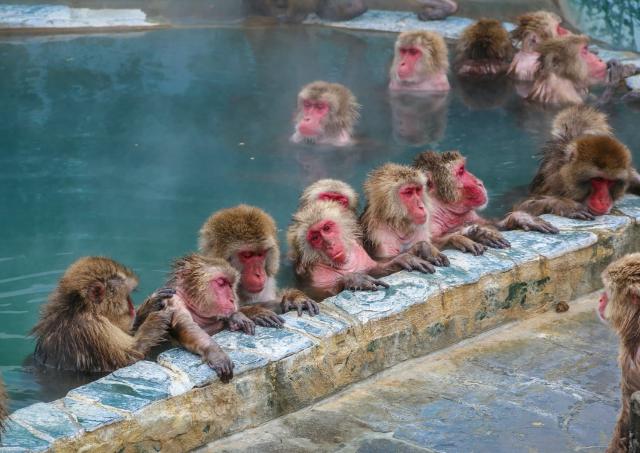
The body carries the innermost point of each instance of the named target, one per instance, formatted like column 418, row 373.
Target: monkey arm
column 520, row 220
column 294, row 299
column 404, row 261
column 152, row 331
column 263, row 314
column 547, row 204
column 459, row 241
column 430, row 253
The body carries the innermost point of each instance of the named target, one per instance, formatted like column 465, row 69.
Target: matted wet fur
column 433, row 47
column 313, row 191
column 438, row 166
column 484, row 49
column 542, row 24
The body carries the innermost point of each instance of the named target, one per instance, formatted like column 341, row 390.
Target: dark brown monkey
column 396, row 217
column 533, row 29
column 298, row 10
column 3, row 407
column 420, row 62
column 436, row 9
column 330, row 190
column 456, row 196
column 324, row 244
column 246, row 237
column 86, row 324
column 326, row 115
column 484, row 49
column 583, row 170
column 566, row 69
column 620, row 307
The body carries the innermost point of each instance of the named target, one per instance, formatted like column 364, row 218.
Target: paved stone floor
column 547, row 384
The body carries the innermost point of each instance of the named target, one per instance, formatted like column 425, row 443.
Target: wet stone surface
column 17, row 438
column 534, row 386
column 46, row 419
column 89, row 415
column 605, row 222
column 633, row 82
column 629, row 205
column 273, row 344
column 550, row 245
column 320, row 326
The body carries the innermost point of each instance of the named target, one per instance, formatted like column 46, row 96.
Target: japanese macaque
column 298, row 10
column 86, row 325
column 436, row 9
column 620, row 307
column 566, row 70
column 418, row 118
column 420, row 62
column 396, row 217
column 3, row 407
column 456, row 195
column 246, row 237
column 325, row 246
column 533, row 29
column 330, row 190
column 326, row 115
column 484, row 49
column 584, row 169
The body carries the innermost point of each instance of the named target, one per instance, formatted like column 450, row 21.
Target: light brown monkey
column 583, row 170
column 86, row 324
column 484, row 49
column 420, row 62
column 396, row 217
column 246, row 237
column 3, row 407
column 620, row 307
column 330, row 190
column 326, row 114
column 325, row 246
column 566, row 69
column 533, row 29
column 456, row 195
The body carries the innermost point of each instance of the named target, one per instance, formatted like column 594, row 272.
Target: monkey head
column 620, row 300
column 450, row 183
column 322, row 232
column 569, row 57
column 598, row 168
column 325, row 111
column 330, row 190
column 484, row 48
column 536, row 27
column 208, row 286
column 246, row 237
column 418, row 54
column 574, row 121
column 396, row 196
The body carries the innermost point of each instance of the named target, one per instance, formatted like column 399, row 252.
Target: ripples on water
column 123, row 145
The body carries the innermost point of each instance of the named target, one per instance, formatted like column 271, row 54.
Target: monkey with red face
column 330, row 190
column 420, row 62
column 324, row 244
column 246, row 237
column 325, row 115
column 456, row 194
column 396, row 218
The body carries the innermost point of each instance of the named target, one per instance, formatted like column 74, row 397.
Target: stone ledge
column 178, row 403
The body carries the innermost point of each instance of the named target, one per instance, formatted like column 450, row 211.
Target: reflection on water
column 616, row 22
column 123, row 145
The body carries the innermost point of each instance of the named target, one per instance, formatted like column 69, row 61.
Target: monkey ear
column 634, row 292
column 95, row 292
column 430, row 184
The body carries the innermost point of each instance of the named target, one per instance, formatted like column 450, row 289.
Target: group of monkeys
column 412, row 212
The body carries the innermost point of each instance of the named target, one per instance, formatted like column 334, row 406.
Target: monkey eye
column 413, row 51
column 307, row 104
column 221, row 282
column 584, row 51
column 246, row 255
column 461, row 171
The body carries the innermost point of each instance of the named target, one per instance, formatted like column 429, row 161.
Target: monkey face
column 325, row 237
column 339, row 198
column 603, row 306
column 408, row 65
column 253, row 275
column 411, row 196
column 314, row 114
column 222, row 294
column 596, row 68
column 474, row 195
column 118, row 304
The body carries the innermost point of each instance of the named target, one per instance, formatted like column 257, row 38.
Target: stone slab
column 89, row 415
column 633, row 82
column 629, row 205
column 273, row 344
column 551, row 245
column 604, row 222
column 320, row 326
column 17, row 438
column 47, row 419
column 466, row 268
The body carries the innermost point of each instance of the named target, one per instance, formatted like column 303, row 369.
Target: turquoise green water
column 122, row 145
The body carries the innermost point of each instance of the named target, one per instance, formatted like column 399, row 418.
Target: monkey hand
column 297, row 300
column 262, row 316
column 466, row 245
column 631, row 96
column 575, row 211
column 357, row 281
column 487, row 237
column 221, row 363
column 410, row 262
column 436, row 9
column 429, row 253
column 527, row 222
column 160, row 299
column 239, row 321
column 617, row 72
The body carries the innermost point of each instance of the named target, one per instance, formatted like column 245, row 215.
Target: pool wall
column 178, row 403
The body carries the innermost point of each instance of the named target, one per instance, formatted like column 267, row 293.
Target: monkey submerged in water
column 246, row 237
column 87, row 323
column 420, row 62
column 484, row 49
column 325, row 115
column 330, row 190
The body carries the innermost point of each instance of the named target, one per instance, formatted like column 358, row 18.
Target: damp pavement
column 546, row 384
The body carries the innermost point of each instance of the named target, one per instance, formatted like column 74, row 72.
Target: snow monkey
column 484, row 49
column 456, row 194
column 566, row 69
column 326, row 115
column 396, row 217
column 297, row 10
column 87, row 323
column 436, row 9
column 246, row 237
column 532, row 30
column 420, row 62
column 330, row 190
column 620, row 307
column 583, row 170
column 324, row 244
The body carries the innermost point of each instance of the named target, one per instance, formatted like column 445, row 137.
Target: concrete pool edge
column 178, row 403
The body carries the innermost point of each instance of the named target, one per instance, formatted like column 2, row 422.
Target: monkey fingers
column 410, row 262
column 488, row 237
column 466, row 245
column 631, row 96
column 357, row 281
column 217, row 359
column 300, row 305
column 429, row 253
column 239, row 321
column 580, row 214
column 617, row 72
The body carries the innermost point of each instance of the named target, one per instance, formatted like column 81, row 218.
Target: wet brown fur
column 78, row 332
column 343, row 106
column 438, row 168
column 484, row 48
column 241, row 228
column 313, row 191
column 435, row 53
column 622, row 282
column 575, row 121
column 541, row 23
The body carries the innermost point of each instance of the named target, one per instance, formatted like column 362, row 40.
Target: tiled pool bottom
column 178, row 403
